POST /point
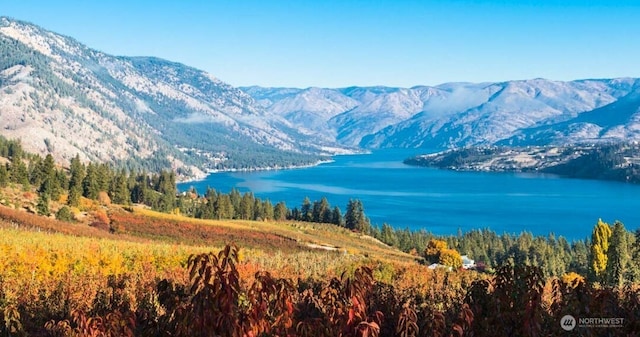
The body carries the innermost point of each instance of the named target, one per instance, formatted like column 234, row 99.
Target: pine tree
column 320, row 209
column 119, row 190
column 19, row 173
column 77, row 172
column 43, row 205
column 633, row 272
column 617, row 255
column 388, row 236
column 355, row 218
column 258, row 209
column 599, row 248
column 4, row 175
column 167, row 188
column 246, row 206
column 269, row 212
column 90, row 186
column 280, row 211
column 235, row 197
column 305, row 210
column 336, row 217
column 224, row 207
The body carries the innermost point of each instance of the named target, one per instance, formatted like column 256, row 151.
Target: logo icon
column 567, row 322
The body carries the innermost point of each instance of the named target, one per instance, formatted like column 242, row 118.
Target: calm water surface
column 443, row 201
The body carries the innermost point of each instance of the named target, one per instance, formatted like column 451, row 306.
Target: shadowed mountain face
column 458, row 114
column 62, row 97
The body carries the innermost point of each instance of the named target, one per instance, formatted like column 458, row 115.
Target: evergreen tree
column 246, row 206
column 280, row 211
column 224, row 207
column 140, row 189
column 599, row 248
column 90, row 186
column 617, row 255
column 64, row 214
column 167, row 188
column 305, row 210
column 77, row 172
column 268, row 211
column 207, row 207
column 336, row 217
column 119, row 190
column 355, row 218
column 321, row 211
column 43, row 204
column 19, row 173
column 258, row 209
column 296, row 214
column 4, row 175
column 104, row 176
column 580, row 259
column 235, row 198
column 633, row 272
column 388, row 236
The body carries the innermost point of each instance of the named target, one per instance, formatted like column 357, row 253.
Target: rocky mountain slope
column 528, row 112
column 61, row 97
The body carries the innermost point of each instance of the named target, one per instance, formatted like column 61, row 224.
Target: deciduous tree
column 599, row 248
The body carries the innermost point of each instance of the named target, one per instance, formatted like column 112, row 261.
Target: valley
column 64, row 98
column 145, row 197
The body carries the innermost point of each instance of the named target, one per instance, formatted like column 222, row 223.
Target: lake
column 442, row 201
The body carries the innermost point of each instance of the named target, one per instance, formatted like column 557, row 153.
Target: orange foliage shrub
column 30, row 196
column 103, row 198
column 101, row 216
column 87, row 204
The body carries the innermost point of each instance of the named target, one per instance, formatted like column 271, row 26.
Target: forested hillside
column 63, row 98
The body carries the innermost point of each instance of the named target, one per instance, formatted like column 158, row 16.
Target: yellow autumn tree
column 572, row 279
column 451, row 258
column 599, row 248
column 434, row 247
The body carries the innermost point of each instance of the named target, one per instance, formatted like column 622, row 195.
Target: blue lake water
column 443, row 201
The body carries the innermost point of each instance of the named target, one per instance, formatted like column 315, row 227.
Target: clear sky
column 301, row 43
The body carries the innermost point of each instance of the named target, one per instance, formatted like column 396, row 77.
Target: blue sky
column 342, row 43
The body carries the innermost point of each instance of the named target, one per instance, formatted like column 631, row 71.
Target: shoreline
column 254, row 169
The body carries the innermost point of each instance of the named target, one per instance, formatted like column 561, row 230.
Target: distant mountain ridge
column 527, row 112
column 61, row 97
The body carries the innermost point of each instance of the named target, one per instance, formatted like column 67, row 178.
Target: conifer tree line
column 246, row 206
column 93, row 181
column 611, row 256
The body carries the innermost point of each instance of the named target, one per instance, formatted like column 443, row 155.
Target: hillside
column 603, row 161
column 61, row 97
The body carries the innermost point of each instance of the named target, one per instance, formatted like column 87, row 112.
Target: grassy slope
column 292, row 248
column 300, row 235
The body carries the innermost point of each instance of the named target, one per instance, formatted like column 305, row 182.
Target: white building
column 467, row 262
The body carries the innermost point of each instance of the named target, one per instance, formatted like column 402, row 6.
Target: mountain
column 61, row 97
column 533, row 112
